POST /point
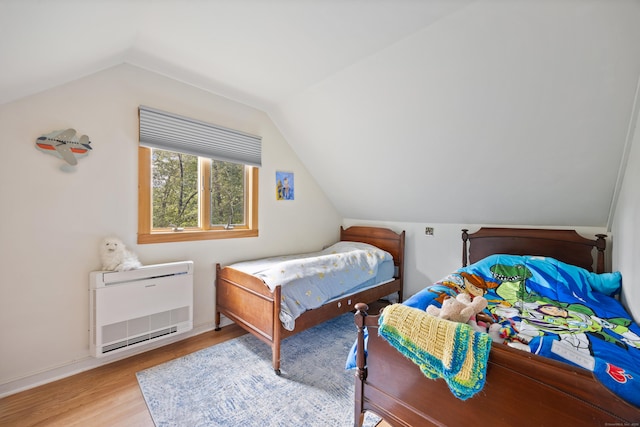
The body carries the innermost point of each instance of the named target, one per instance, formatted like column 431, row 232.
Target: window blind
column 171, row 132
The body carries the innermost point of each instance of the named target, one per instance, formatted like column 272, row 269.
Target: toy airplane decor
column 64, row 144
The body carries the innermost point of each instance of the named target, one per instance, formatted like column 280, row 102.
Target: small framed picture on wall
column 284, row 186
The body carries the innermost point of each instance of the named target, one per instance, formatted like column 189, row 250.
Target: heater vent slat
column 143, row 338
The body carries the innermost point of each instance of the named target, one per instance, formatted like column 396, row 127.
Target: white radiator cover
column 132, row 308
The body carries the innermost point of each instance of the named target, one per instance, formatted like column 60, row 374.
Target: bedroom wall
column 52, row 220
column 626, row 223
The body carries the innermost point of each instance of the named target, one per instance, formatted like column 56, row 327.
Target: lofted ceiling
column 452, row 111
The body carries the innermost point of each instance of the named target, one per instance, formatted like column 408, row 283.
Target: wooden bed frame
column 521, row 388
column 250, row 303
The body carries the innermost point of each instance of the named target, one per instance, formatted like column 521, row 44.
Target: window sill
column 188, row 236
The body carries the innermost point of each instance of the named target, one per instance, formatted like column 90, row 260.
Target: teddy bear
column 459, row 309
column 462, row 309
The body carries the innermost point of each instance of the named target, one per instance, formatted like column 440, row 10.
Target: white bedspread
column 310, row 280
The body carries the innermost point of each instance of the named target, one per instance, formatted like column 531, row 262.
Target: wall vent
column 148, row 304
column 142, row 338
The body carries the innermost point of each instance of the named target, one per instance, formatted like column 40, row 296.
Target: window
column 184, row 195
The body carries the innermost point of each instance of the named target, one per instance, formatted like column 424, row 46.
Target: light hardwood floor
column 105, row 396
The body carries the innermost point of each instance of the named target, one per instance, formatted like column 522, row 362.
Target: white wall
column 52, row 220
column 626, row 226
column 501, row 92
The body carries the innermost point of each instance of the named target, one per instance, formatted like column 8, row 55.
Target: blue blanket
column 554, row 310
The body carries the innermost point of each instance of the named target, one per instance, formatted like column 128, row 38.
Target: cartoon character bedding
column 555, row 310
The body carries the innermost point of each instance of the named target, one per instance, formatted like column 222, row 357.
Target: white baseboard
column 88, row 363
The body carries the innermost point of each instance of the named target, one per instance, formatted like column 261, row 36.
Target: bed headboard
column 564, row 245
column 382, row 238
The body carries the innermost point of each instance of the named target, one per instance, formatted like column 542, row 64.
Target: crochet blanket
column 441, row 348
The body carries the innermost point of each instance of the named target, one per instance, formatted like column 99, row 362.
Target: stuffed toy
column 495, row 330
column 459, row 309
column 116, row 257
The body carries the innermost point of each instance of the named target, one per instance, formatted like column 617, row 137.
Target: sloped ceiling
column 498, row 112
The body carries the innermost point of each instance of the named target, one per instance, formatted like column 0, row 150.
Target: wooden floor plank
column 105, row 396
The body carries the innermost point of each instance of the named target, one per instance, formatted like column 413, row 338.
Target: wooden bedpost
column 400, row 257
column 601, row 245
column 361, row 372
column 465, row 238
column 277, row 330
column 217, row 316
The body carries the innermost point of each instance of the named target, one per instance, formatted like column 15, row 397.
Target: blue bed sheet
column 552, row 309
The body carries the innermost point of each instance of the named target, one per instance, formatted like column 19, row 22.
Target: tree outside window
column 227, row 194
column 175, row 189
column 185, row 197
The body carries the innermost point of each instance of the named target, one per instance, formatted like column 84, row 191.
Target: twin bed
column 519, row 387
column 254, row 295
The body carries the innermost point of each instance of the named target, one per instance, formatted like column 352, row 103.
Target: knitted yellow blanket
column 441, row 348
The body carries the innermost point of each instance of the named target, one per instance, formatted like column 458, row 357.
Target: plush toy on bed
column 495, row 330
column 459, row 309
column 462, row 309
column 116, row 257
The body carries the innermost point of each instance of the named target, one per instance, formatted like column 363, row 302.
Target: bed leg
column 361, row 372
column 275, row 356
column 217, row 316
column 217, row 322
column 277, row 329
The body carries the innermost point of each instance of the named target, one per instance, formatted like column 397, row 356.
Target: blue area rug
column 233, row 383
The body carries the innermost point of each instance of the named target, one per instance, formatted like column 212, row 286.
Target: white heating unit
column 132, row 308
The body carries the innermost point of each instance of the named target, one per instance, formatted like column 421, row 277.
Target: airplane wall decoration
column 64, row 144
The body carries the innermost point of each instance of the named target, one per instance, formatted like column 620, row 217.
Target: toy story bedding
column 554, row 310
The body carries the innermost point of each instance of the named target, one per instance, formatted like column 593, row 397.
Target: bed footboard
column 245, row 300
column 521, row 389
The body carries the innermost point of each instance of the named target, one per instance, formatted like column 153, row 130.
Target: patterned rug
column 233, row 383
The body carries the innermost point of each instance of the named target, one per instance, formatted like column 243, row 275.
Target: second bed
column 251, row 293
